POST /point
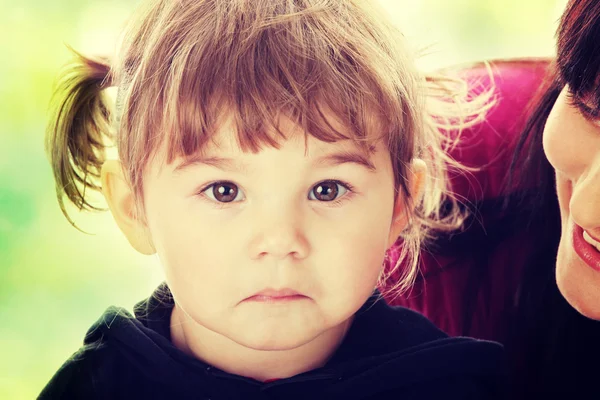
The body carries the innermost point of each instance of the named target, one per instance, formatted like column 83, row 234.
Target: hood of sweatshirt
column 388, row 350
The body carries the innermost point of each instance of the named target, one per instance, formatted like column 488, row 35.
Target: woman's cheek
column 560, row 141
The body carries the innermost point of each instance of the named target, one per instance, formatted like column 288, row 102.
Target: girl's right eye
column 222, row 192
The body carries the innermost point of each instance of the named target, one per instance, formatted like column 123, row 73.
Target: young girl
column 269, row 152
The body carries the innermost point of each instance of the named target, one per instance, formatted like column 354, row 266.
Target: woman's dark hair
column 553, row 348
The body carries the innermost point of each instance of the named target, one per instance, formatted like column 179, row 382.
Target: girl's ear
column 120, row 199
column 400, row 218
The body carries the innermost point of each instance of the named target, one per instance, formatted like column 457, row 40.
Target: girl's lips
column 276, row 296
column 276, row 299
column 584, row 250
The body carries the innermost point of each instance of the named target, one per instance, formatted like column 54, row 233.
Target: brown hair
column 578, row 65
column 541, row 347
column 182, row 61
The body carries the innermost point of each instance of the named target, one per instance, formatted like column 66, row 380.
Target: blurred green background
column 56, row 281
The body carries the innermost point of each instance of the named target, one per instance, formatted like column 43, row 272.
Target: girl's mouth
column 276, row 296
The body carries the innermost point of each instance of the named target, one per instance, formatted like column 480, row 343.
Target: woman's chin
column 579, row 284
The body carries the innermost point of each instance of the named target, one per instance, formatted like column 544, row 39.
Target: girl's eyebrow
column 344, row 157
column 228, row 164
column 225, row 164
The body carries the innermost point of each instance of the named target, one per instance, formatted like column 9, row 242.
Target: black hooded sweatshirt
column 388, row 353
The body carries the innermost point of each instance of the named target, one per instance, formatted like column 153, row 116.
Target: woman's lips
column 584, row 250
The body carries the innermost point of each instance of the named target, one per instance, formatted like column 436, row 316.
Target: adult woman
column 560, row 146
column 525, row 270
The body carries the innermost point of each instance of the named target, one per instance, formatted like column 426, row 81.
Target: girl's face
column 572, row 145
column 273, row 249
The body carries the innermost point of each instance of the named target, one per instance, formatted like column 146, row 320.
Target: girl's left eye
column 328, row 191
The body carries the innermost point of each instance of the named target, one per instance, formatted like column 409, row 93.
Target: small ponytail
column 79, row 122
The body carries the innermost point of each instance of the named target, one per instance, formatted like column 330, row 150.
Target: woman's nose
column 585, row 199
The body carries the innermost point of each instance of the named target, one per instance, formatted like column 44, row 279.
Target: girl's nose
column 279, row 234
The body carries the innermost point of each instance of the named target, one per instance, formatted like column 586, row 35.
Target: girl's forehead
column 224, row 151
column 224, row 142
column 297, row 146
column 226, row 139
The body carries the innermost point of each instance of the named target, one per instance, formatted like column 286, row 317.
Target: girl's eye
column 328, row 191
column 222, row 192
column 331, row 191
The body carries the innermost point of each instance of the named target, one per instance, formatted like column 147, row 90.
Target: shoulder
column 425, row 334
column 452, row 367
column 85, row 375
column 379, row 317
column 96, row 368
column 413, row 359
column 388, row 329
column 414, row 333
column 450, row 388
column 413, row 325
